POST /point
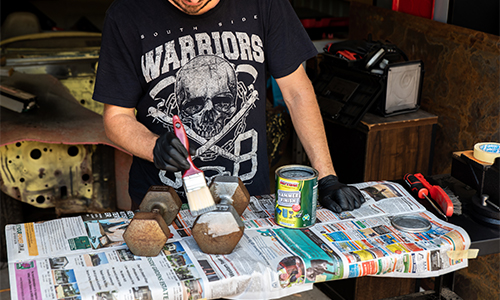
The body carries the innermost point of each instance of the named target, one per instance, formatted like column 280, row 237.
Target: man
column 207, row 62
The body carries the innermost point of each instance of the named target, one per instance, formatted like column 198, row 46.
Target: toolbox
column 356, row 77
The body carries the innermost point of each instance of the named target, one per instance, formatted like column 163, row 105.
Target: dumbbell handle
column 226, row 201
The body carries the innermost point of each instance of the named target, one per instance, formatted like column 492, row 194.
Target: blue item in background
column 277, row 96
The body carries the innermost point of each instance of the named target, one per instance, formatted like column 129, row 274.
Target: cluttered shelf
column 86, row 255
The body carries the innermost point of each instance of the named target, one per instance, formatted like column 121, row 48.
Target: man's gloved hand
column 170, row 154
column 337, row 196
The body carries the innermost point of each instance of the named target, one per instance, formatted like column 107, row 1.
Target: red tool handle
column 416, row 186
column 438, row 195
column 180, row 133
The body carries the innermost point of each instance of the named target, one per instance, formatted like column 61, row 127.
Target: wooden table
column 382, row 148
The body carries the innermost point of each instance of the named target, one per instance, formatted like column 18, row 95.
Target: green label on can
column 296, row 202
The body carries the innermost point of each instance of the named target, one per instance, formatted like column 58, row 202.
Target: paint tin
column 296, row 196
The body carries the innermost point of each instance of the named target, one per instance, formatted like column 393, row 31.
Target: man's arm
column 300, row 99
column 165, row 151
column 123, row 129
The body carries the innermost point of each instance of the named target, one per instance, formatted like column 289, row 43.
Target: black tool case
column 344, row 92
column 357, row 76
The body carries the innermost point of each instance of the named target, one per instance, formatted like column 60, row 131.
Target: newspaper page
column 85, row 257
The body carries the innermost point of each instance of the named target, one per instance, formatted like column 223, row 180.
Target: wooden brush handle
column 180, row 133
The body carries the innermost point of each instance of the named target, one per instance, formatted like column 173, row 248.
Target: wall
column 335, row 8
column 66, row 13
column 461, row 82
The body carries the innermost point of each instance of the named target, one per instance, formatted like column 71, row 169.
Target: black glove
column 170, row 154
column 337, row 196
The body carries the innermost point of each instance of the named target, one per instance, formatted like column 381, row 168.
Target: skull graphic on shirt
column 206, row 91
column 213, row 98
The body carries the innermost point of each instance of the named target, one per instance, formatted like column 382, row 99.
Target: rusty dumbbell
column 148, row 230
column 219, row 231
column 231, row 188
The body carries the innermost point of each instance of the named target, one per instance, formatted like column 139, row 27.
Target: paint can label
column 296, row 196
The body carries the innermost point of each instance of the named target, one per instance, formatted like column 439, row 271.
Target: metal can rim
column 411, row 223
column 280, row 170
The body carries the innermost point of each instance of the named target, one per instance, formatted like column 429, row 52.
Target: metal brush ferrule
column 194, row 182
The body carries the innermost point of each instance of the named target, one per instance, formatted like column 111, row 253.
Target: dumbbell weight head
column 164, row 200
column 146, row 234
column 232, row 189
column 148, row 230
column 218, row 231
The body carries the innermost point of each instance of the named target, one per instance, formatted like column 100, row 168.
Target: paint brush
column 198, row 194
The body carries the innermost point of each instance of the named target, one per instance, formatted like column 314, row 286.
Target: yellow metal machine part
column 71, row 57
column 82, row 88
column 41, row 174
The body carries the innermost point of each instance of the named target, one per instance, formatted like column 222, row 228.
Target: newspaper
column 85, row 257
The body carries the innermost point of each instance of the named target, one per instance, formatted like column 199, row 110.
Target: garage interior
column 459, row 106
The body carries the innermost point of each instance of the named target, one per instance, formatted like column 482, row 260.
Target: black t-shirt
column 208, row 69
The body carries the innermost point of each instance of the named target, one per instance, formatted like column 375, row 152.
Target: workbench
column 84, row 255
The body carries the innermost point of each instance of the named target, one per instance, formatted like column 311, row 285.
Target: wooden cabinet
column 382, row 148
